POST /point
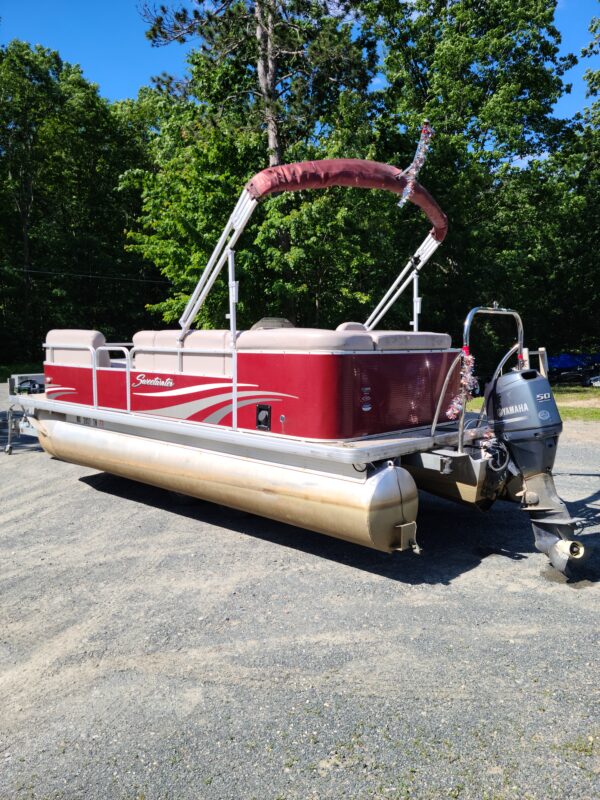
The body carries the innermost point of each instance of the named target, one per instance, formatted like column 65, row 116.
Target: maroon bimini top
column 346, row 172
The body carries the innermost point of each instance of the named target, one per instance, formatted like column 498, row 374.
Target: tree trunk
column 25, row 241
column 23, row 199
column 264, row 11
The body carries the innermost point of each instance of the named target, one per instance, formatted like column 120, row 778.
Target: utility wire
column 98, row 277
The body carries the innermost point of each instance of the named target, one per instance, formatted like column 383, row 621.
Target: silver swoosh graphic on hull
column 217, row 416
column 185, row 410
column 56, row 395
column 58, row 391
column 199, row 387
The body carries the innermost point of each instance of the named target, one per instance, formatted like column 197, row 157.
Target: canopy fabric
column 346, row 172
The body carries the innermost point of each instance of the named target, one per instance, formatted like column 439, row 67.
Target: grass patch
column 585, row 414
column 564, row 396
column 582, row 745
column 580, row 391
column 475, row 404
column 16, row 369
column 567, row 394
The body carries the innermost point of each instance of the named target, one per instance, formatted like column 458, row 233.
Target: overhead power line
column 96, row 277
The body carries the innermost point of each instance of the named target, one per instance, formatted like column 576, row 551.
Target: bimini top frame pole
column 414, row 266
column 232, row 232
column 322, row 175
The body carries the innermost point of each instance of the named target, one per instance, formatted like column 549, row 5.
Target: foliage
column 509, row 175
column 291, row 80
column 6, row 370
column 487, row 81
column 283, row 62
column 211, row 139
column 62, row 215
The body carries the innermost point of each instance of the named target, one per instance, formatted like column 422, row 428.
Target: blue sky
column 107, row 39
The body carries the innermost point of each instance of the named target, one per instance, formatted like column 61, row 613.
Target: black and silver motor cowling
column 523, row 413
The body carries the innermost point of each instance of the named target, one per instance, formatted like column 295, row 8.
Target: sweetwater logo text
column 142, row 380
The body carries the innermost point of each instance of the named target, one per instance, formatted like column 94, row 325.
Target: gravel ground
column 156, row 648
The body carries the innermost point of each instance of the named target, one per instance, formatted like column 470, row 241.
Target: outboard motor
column 523, row 413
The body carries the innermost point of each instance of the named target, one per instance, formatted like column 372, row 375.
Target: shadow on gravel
column 455, row 539
column 588, row 571
column 584, row 508
column 24, row 445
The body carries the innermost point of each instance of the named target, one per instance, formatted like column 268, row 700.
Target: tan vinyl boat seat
column 402, row 340
column 304, row 339
column 348, row 338
column 409, row 340
column 79, row 338
column 209, row 363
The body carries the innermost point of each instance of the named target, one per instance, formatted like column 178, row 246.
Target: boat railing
column 194, row 351
column 438, row 408
column 129, row 352
column 494, row 310
column 122, row 348
column 85, row 348
column 523, row 362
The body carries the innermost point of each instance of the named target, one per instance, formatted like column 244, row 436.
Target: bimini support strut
column 231, row 233
column 349, row 172
column 412, row 269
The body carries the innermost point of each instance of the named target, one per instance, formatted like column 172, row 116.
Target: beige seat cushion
column 208, row 363
column 408, row 340
column 304, row 339
column 218, row 363
column 81, row 338
column 351, row 326
column 143, row 339
column 350, row 337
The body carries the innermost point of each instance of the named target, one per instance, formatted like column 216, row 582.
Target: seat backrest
column 205, row 363
column 304, row 339
column 75, row 337
column 349, row 337
column 410, row 340
column 351, row 326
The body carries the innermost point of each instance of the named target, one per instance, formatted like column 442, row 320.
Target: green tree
column 487, row 75
column 285, row 60
column 214, row 135
column 487, row 81
column 63, row 215
column 537, row 244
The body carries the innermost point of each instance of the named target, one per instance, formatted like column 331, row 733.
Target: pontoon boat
column 330, row 430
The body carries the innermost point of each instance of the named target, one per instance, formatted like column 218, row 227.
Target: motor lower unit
column 522, row 412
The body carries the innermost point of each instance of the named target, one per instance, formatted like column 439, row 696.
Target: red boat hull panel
column 311, row 395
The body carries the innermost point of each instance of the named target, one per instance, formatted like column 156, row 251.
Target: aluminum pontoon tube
column 377, row 511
